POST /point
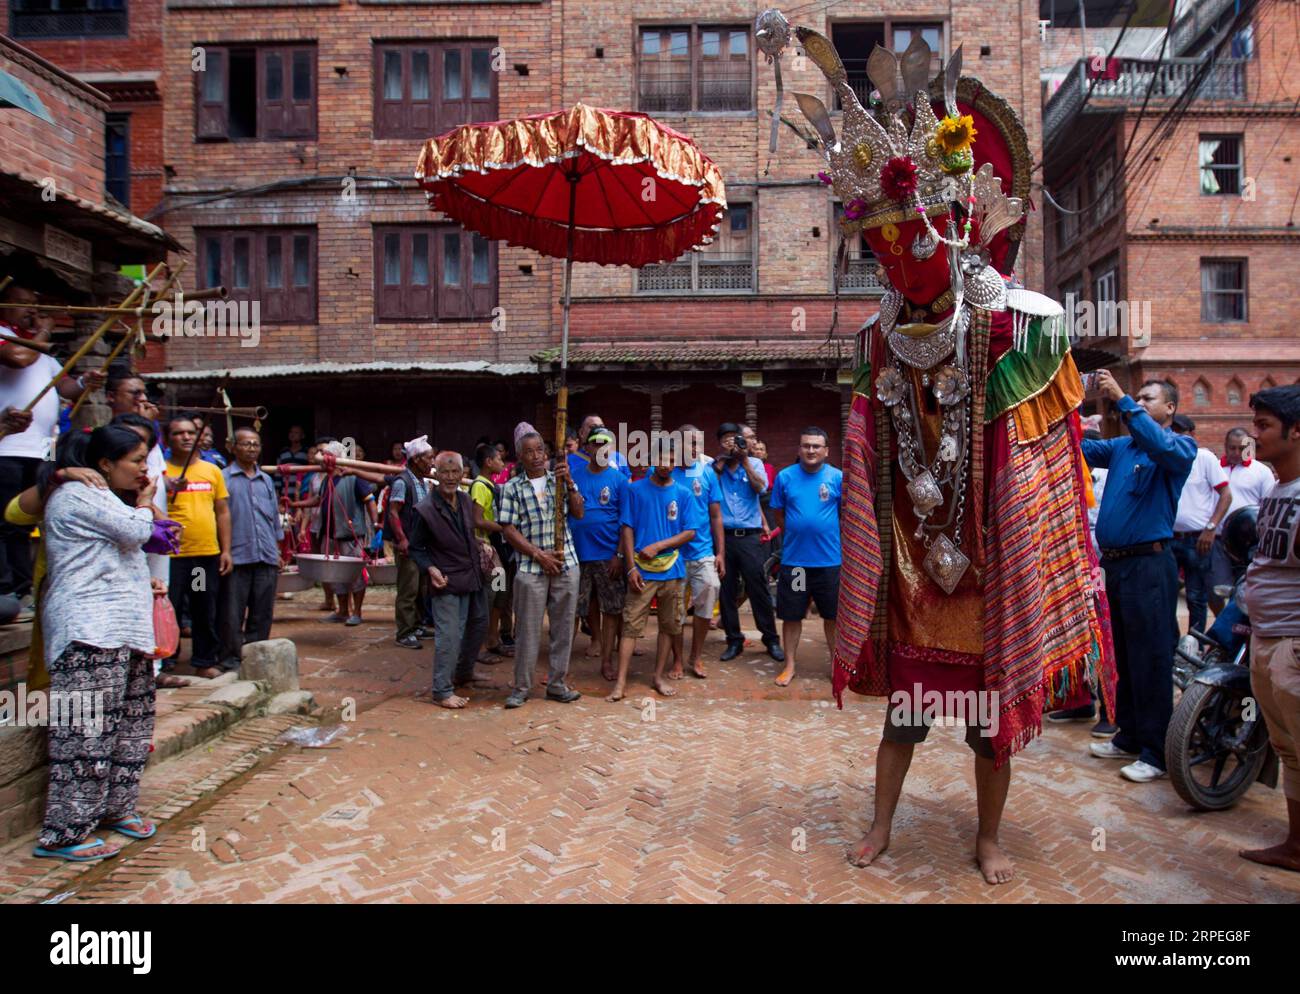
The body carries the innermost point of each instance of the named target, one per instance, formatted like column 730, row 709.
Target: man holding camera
column 742, row 481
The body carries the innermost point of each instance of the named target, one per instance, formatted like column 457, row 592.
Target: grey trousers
column 459, row 626
column 538, row 595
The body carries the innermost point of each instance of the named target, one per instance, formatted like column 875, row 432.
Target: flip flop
column 121, row 826
column 70, row 852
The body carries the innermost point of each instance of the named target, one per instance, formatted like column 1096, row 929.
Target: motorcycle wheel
column 1212, row 757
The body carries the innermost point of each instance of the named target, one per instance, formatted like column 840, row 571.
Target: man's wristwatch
column 1210, row 528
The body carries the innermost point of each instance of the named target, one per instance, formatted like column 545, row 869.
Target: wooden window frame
column 1244, row 291
column 1240, row 167
column 888, row 24
column 432, row 303
column 694, row 57
column 287, row 118
column 406, row 119
column 123, row 120
column 284, row 304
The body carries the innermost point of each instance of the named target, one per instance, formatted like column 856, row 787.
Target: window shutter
column 273, row 275
column 421, row 86
column 482, row 86
column 453, row 265
column 271, row 98
column 453, row 86
column 300, row 92
column 391, row 82
column 302, row 276
column 417, row 255
column 211, row 95
column 482, row 275
column 388, row 274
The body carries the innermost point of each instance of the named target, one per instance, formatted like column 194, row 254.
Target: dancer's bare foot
column 873, row 844
column 453, row 702
column 593, row 649
column 994, row 863
column 676, row 673
column 697, row 670
column 608, row 670
column 1283, row 856
column 662, row 688
column 616, row 694
column 786, row 676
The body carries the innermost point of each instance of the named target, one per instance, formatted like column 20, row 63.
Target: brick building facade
column 316, row 178
column 1199, row 225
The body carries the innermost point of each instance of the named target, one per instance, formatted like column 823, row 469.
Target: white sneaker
column 1141, row 772
column 1108, row 750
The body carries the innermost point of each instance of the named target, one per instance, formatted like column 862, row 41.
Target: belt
column 1125, row 551
column 742, row 532
column 1189, row 534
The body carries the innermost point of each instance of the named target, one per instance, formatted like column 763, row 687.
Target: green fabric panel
column 1019, row 375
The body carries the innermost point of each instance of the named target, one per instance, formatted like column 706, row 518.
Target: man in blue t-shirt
column 657, row 519
column 587, row 450
column 806, row 506
column 705, row 562
column 595, row 539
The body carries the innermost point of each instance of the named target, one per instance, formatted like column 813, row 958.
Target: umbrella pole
column 562, row 398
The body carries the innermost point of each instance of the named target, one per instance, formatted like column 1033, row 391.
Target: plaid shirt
column 517, row 505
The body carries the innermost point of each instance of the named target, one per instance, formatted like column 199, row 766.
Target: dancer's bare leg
column 892, row 762
column 679, row 643
column 1285, row 855
column 665, row 649
column 791, row 632
column 625, row 647
column 991, row 786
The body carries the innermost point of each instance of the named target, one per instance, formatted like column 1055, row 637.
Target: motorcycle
column 1217, row 744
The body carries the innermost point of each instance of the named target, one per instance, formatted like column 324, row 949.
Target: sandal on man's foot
column 132, row 826
column 77, row 853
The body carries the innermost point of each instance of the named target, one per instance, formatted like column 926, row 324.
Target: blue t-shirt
column 739, row 498
column 702, row 483
column 595, row 534
column 656, row 513
column 811, row 502
column 579, row 459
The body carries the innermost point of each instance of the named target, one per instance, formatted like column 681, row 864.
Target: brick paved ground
column 735, row 790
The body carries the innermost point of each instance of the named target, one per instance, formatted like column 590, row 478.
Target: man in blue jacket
column 1135, row 530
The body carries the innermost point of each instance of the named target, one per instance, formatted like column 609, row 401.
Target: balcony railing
column 663, row 92
column 860, row 277
column 1223, row 80
column 1204, row 14
column 715, row 273
column 67, row 23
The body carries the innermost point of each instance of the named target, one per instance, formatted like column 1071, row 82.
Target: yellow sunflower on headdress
column 956, row 133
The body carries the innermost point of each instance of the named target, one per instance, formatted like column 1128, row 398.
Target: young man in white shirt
column 1249, row 480
column 1203, row 503
column 27, row 438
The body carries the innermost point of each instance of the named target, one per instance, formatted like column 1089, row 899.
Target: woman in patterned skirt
column 98, row 626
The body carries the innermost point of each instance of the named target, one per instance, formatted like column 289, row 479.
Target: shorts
column 821, row 584
column 1275, row 681
column 1221, row 568
column 700, row 592
column 636, row 610
column 610, row 594
column 916, row 731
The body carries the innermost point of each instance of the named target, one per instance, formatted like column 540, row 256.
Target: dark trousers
column 460, row 622
column 195, row 578
column 1143, row 595
column 247, row 602
column 1196, row 580
column 745, row 558
column 410, row 594
column 17, row 473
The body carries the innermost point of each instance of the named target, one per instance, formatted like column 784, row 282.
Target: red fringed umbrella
column 583, row 185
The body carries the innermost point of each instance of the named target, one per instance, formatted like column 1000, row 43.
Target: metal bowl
column 382, row 573
column 291, row 581
column 329, row 569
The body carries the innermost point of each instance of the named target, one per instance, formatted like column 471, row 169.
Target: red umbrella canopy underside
column 641, row 192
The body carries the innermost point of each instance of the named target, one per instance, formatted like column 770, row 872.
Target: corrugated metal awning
column 324, row 369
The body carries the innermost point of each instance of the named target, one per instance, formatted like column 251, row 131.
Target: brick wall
column 67, row 151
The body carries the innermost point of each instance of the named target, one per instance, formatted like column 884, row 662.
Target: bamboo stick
column 24, row 343
column 90, row 342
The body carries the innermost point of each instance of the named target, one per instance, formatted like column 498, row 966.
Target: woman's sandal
column 123, row 826
column 70, row 853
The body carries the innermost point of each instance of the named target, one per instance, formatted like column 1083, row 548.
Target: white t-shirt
column 1273, row 577
column 17, row 388
column 156, row 467
column 539, row 488
column 1249, row 484
column 1200, row 495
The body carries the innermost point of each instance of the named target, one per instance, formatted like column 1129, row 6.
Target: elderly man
column 547, row 581
column 247, row 597
column 407, row 492
column 444, row 547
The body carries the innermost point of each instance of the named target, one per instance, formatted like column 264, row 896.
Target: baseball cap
column 600, row 434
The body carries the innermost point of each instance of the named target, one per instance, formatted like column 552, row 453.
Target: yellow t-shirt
column 194, row 508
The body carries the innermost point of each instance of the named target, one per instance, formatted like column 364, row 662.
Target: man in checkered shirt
column 547, row 581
